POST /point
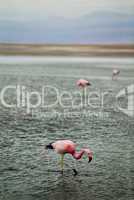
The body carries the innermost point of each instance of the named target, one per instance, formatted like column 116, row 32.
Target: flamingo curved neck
column 78, row 155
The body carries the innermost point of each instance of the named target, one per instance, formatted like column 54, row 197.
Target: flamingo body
column 83, row 83
column 63, row 147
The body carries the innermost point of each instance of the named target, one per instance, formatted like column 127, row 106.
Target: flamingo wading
column 115, row 73
column 63, row 147
column 82, row 83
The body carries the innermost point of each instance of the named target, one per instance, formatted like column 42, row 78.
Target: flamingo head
column 88, row 83
column 90, row 157
column 49, row 146
column 89, row 154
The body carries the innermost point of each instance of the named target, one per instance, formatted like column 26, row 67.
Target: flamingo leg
column 84, row 96
column 62, row 162
column 83, row 92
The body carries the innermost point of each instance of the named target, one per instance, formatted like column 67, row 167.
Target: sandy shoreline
column 67, row 50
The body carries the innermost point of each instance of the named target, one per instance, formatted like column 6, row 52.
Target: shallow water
column 27, row 171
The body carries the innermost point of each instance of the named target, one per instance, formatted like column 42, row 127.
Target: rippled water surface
column 27, row 171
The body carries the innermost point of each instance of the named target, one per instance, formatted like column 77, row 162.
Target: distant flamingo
column 63, row 147
column 115, row 73
column 82, row 83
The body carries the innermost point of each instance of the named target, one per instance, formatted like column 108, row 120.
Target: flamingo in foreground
column 115, row 73
column 63, row 147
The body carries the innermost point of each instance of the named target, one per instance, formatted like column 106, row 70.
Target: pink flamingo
column 63, row 147
column 115, row 73
column 82, row 83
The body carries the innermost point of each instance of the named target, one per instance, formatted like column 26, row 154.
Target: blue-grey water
column 27, row 170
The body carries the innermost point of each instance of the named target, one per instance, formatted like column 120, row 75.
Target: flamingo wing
column 64, row 146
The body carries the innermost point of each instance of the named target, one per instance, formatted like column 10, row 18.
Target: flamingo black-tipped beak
column 90, row 159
